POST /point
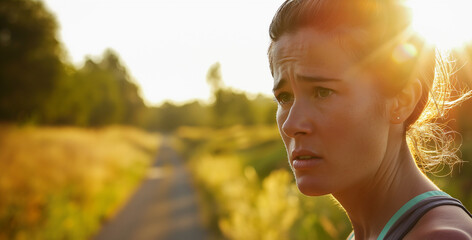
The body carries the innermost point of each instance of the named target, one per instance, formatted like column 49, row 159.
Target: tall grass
column 62, row 183
column 249, row 191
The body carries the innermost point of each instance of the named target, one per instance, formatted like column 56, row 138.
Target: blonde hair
column 385, row 27
column 429, row 138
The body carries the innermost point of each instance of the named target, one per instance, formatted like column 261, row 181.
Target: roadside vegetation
column 63, row 183
column 248, row 192
column 76, row 140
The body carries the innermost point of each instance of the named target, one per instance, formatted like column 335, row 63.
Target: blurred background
column 101, row 99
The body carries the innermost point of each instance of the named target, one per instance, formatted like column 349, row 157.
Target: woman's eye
column 323, row 92
column 284, row 98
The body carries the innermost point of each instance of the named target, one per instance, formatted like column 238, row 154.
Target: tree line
column 38, row 85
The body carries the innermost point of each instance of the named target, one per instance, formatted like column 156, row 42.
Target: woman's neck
column 373, row 202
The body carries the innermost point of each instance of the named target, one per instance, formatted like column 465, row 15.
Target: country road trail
column 163, row 207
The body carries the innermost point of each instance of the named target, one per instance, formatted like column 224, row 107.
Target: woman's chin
column 311, row 187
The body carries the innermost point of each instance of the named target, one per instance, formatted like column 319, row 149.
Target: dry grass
column 247, row 190
column 61, row 183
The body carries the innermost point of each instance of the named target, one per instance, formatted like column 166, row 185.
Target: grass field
column 62, row 183
column 248, row 190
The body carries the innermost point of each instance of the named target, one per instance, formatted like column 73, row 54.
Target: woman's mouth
column 304, row 161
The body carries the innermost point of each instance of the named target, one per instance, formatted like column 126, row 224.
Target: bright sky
column 168, row 45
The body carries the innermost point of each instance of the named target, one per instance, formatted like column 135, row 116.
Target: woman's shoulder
column 443, row 222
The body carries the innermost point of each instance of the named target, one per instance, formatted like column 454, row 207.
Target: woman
column 353, row 83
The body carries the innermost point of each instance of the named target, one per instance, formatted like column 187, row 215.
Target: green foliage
column 37, row 86
column 237, row 167
column 268, row 213
column 62, row 183
column 231, row 108
column 30, row 59
column 248, row 190
column 169, row 117
column 129, row 98
column 99, row 95
column 214, row 78
column 263, row 110
column 95, row 95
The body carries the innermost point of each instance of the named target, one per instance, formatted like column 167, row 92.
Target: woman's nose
column 298, row 121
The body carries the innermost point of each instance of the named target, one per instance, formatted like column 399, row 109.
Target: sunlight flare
column 445, row 24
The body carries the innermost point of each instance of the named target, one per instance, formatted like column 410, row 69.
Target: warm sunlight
column 168, row 44
column 156, row 119
column 445, row 24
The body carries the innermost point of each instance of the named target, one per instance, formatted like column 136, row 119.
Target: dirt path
column 164, row 207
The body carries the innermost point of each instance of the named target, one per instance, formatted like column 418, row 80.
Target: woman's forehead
column 308, row 49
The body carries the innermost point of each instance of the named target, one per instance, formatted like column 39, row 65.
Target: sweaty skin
column 330, row 109
column 342, row 137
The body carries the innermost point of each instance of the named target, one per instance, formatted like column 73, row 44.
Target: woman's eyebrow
column 283, row 81
column 316, row 79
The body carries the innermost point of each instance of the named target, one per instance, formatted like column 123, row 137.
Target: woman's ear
column 405, row 101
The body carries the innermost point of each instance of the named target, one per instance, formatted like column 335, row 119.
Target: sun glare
column 444, row 23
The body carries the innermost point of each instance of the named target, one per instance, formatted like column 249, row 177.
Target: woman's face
column 331, row 119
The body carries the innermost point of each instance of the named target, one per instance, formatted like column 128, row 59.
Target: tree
column 230, row 107
column 214, row 78
column 169, row 116
column 30, row 59
column 263, row 110
column 97, row 94
column 132, row 103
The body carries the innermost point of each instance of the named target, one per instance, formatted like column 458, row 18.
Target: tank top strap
column 412, row 202
column 411, row 212
column 409, row 219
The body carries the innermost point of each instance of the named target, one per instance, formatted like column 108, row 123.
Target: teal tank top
column 412, row 211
